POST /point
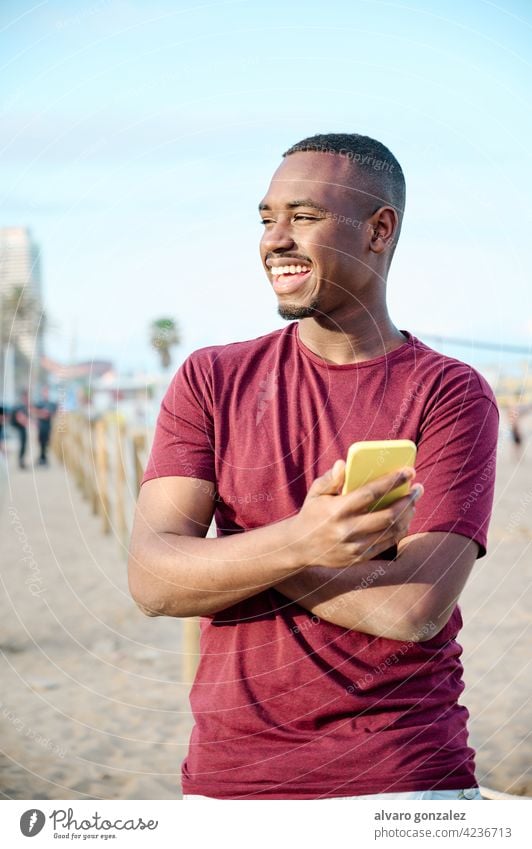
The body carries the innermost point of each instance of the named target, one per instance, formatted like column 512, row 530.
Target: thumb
column 329, row 483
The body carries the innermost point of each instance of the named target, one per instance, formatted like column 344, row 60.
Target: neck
column 364, row 336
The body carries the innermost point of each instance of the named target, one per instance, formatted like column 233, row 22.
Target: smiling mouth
column 288, row 278
column 285, row 270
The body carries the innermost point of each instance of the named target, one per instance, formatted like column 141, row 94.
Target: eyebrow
column 311, row 204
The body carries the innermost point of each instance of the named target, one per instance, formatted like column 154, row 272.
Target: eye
column 301, row 217
column 266, row 220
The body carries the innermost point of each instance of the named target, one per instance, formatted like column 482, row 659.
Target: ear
column 383, row 226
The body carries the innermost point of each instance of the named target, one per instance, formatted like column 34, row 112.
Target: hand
column 336, row 530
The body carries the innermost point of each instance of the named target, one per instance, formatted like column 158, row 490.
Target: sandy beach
column 93, row 702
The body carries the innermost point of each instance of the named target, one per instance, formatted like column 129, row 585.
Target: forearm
column 374, row 597
column 173, row 575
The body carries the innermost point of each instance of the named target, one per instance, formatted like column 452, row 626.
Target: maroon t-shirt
column 286, row 705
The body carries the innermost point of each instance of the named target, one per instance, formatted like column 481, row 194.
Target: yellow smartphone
column 373, row 459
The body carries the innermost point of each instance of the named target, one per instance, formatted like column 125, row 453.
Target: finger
column 405, row 506
column 404, row 514
column 329, row 483
column 363, row 497
column 394, row 520
column 390, row 528
column 373, row 545
column 379, row 521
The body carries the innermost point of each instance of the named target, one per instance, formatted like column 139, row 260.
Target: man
column 20, row 421
column 44, row 411
column 329, row 665
column 3, row 419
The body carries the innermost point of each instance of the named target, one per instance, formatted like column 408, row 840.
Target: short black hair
column 383, row 177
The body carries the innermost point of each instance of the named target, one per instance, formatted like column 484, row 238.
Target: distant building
column 21, row 326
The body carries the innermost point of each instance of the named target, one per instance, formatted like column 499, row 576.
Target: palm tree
column 164, row 334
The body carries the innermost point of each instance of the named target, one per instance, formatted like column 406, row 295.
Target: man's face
column 315, row 242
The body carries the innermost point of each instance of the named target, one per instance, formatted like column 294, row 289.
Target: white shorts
column 470, row 793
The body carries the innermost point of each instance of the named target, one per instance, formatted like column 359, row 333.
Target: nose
column 277, row 236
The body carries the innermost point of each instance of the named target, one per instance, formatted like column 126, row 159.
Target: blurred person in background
column 516, row 412
column 3, row 419
column 44, row 412
column 20, row 419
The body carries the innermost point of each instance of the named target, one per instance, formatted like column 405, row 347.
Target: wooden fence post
column 191, row 649
column 102, row 472
column 103, row 458
column 139, row 449
column 120, row 484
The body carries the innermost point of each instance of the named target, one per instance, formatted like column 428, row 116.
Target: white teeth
column 289, row 269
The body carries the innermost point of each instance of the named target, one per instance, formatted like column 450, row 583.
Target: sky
column 138, row 138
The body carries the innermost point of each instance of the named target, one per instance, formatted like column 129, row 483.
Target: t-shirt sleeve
column 456, row 463
column 183, row 443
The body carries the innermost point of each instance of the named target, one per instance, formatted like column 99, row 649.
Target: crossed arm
column 411, row 597
column 175, row 571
